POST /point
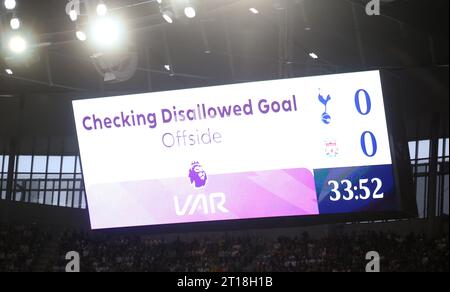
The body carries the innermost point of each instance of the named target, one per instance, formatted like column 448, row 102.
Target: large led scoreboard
column 296, row 147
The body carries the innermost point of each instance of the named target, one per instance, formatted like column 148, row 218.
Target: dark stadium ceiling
column 226, row 43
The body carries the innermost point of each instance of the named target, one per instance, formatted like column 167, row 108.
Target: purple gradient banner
column 249, row 195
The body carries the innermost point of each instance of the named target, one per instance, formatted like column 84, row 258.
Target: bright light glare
column 9, row 71
column 107, row 32
column 254, row 10
column 73, row 15
column 313, row 55
column 10, row 4
column 17, row 45
column 15, row 23
column 168, row 16
column 102, row 9
column 190, row 12
column 81, row 35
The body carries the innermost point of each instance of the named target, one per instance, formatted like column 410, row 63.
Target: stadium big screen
column 294, row 147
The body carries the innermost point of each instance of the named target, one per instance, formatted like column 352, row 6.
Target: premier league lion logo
column 197, row 175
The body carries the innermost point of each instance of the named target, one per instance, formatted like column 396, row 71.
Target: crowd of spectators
column 347, row 253
column 106, row 253
column 101, row 252
column 339, row 253
column 20, row 247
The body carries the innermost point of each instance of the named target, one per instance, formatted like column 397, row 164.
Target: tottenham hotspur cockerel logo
column 326, row 117
column 197, row 175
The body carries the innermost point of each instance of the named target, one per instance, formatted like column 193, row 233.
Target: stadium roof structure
column 228, row 43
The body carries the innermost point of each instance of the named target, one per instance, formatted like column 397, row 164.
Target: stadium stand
column 28, row 248
column 54, row 53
